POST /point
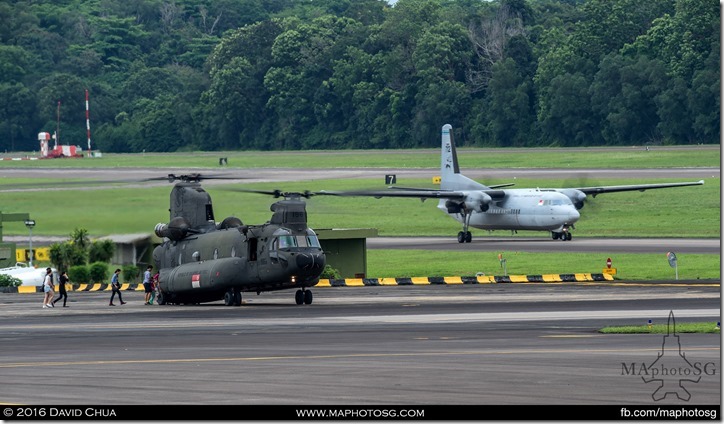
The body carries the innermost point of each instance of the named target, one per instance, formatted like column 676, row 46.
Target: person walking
column 48, row 292
column 61, row 289
column 147, row 285
column 116, row 287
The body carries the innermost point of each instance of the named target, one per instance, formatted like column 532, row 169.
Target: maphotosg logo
column 671, row 373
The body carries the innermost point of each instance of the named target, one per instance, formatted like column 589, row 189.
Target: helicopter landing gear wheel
column 229, row 298
column 308, row 297
column 299, row 297
column 237, row 298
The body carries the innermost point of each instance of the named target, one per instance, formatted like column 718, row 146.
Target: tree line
column 181, row 75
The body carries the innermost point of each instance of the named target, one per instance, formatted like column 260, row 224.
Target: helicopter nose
column 310, row 262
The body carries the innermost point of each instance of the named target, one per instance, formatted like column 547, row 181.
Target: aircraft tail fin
column 451, row 178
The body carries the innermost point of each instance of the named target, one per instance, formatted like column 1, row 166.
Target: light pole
column 30, row 223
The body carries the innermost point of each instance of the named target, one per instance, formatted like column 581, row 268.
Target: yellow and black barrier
column 492, row 279
column 362, row 282
column 96, row 287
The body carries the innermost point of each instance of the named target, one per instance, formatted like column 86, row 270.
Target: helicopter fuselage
column 204, row 267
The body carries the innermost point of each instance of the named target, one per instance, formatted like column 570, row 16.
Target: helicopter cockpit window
column 286, row 242
column 283, row 239
column 310, row 240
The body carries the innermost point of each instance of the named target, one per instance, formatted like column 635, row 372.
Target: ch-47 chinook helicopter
column 201, row 260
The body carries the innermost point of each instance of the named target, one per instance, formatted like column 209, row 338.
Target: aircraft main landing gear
column 465, row 236
column 232, row 297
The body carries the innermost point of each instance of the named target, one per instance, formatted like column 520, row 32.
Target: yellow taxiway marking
column 343, row 356
column 571, row 336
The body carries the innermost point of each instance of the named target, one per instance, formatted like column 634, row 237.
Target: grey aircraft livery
column 497, row 208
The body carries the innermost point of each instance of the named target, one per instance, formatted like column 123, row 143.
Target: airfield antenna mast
column 57, row 126
column 87, row 120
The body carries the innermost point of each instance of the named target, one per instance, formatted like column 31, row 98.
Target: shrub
column 9, row 281
column 79, row 274
column 330, row 273
column 99, row 272
column 101, row 251
column 130, row 273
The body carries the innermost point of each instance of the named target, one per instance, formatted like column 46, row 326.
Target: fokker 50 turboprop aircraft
column 495, row 208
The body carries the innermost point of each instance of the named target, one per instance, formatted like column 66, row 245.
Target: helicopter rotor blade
column 100, row 184
column 276, row 193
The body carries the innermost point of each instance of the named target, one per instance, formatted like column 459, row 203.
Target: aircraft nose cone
column 573, row 215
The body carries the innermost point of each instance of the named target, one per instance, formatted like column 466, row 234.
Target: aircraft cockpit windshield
column 284, row 239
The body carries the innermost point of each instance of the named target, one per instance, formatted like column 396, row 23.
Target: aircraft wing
column 636, row 187
column 416, row 193
column 406, row 192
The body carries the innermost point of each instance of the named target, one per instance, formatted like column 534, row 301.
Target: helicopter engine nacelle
column 230, row 222
column 175, row 230
column 477, row 201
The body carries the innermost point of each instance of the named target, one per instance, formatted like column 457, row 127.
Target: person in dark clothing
column 116, row 287
column 61, row 289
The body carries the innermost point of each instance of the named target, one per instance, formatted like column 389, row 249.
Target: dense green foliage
column 167, row 75
column 98, row 272
column 9, row 281
column 79, row 274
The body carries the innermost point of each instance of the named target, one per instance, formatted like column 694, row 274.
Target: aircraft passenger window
column 233, row 252
column 216, row 253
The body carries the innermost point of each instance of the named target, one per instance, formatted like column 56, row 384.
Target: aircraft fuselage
column 524, row 209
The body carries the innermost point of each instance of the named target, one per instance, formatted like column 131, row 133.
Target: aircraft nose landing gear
column 565, row 236
column 303, row 296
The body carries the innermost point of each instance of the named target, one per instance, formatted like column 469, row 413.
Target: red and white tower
column 87, row 120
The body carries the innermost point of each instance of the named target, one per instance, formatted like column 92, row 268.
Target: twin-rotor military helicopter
column 201, row 260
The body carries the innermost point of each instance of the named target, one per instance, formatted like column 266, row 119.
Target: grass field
column 677, row 212
column 634, row 157
column 693, row 327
